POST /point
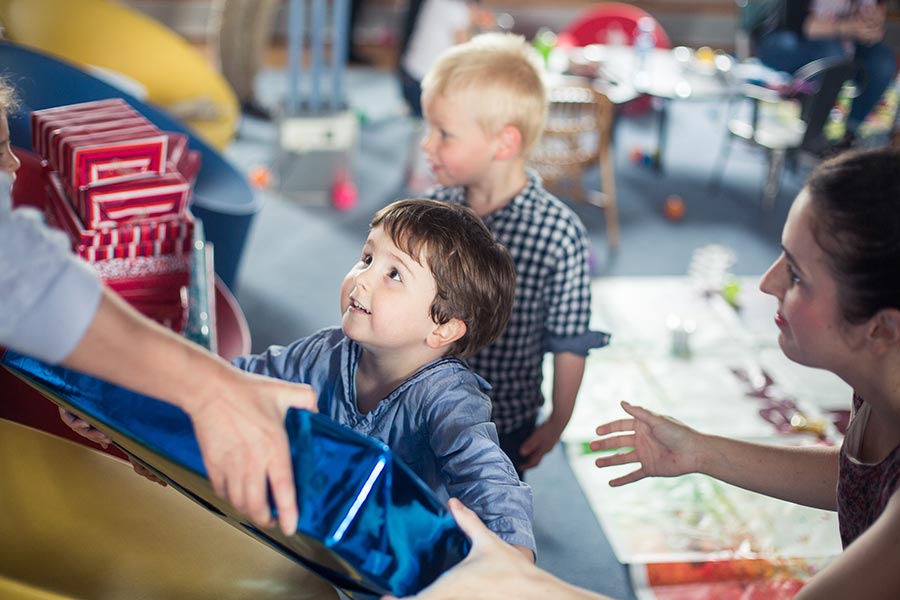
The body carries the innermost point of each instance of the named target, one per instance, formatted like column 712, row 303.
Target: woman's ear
column 510, row 142
column 884, row 330
column 444, row 335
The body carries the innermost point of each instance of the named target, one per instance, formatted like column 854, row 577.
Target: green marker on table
column 586, row 449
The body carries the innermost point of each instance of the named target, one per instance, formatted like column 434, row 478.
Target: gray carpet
column 298, row 254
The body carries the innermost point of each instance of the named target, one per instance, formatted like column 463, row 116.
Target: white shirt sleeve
column 435, row 31
column 48, row 297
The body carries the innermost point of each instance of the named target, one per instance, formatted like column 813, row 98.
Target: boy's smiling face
column 386, row 297
column 458, row 149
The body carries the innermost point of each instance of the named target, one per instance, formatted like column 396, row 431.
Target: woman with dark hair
column 837, row 282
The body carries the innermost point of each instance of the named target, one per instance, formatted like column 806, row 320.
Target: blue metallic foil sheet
column 367, row 524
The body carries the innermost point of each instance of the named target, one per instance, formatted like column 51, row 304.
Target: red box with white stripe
column 110, row 204
column 42, row 121
column 112, row 156
column 60, row 212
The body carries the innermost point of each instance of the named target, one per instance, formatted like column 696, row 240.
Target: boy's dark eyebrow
column 401, row 258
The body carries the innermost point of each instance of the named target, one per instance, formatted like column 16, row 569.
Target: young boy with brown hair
column 484, row 103
column 432, row 286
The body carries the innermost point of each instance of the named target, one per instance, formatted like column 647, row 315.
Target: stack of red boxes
column 119, row 187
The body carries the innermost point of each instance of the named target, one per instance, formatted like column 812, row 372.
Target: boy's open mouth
column 358, row 306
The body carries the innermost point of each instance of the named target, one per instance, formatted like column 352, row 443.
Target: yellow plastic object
column 106, row 34
column 78, row 523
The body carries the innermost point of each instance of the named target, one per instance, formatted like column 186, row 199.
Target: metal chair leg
column 773, row 178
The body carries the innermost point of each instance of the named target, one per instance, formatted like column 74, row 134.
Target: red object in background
column 344, row 194
column 674, row 208
column 603, row 23
column 594, row 25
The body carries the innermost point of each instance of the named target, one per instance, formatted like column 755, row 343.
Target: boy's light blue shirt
column 438, row 422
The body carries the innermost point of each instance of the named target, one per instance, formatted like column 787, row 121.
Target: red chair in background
column 596, row 24
column 612, row 23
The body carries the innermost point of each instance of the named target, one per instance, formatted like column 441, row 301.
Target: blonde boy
column 431, row 286
column 484, row 103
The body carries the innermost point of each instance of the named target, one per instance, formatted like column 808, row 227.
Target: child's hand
column 663, row 446
column 539, row 443
column 83, row 428
column 145, row 472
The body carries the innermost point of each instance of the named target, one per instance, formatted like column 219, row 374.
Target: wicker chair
column 577, row 137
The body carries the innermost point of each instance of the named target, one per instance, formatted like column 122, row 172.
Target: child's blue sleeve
column 473, row 466
column 294, row 362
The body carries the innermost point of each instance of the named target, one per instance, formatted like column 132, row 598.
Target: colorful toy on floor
column 674, row 208
column 344, row 195
column 260, row 177
column 640, row 157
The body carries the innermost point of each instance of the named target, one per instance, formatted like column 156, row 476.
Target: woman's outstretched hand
column 661, row 445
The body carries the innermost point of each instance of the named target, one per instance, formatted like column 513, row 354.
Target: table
column 676, row 74
column 80, row 524
column 663, row 527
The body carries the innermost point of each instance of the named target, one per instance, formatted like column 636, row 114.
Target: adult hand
column 663, row 446
column 244, row 444
column 493, row 568
column 539, row 443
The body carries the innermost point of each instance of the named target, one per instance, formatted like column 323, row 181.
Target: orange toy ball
column 674, row 208
column 260, row 177
column 636, row 156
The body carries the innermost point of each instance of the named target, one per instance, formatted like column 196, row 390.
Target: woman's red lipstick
column 780, row 321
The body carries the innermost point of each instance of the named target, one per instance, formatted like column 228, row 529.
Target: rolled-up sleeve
column 49, row 296
column 568, row 296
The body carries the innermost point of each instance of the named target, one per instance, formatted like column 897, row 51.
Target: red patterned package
column 42, row 120
column 59, row 210
column 42, row 140
column 150, row 196
column 190, row 166
column 178, row 247
column 113, row 155
column 57, row 136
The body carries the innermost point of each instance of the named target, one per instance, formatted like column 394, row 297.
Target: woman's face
column 813, row 332
column 9, row 162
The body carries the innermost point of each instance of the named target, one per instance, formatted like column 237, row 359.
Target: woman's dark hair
column 856, row 221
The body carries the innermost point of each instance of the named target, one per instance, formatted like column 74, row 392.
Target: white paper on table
column 694, row 517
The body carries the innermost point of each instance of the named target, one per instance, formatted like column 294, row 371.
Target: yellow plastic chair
column 112, row 37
